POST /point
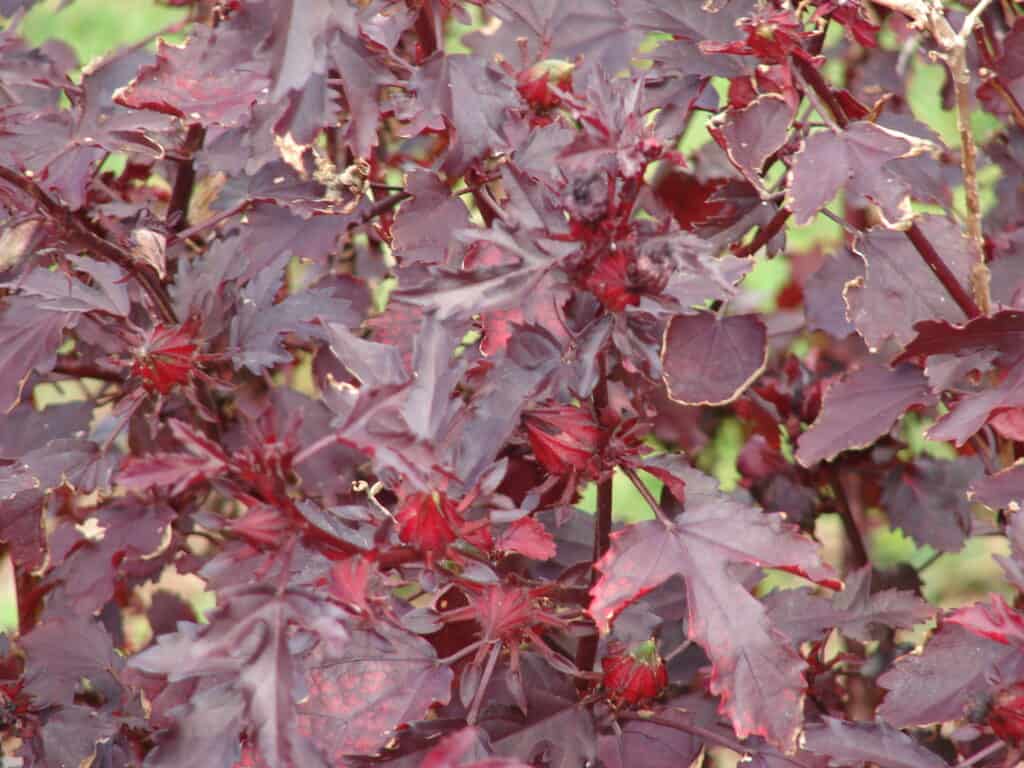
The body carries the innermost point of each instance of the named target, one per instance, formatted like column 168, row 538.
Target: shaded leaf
column 955, row 667
column 852, row 743
column 804, row 616
column 928, row 500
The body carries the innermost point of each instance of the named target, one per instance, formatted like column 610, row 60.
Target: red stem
column 80, row 370
column 586, row 651
column 812, row 77
column 177, row 209
column 853, row 535
column 942, row 271
column 764, row 234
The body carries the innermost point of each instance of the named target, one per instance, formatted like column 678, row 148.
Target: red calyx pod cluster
column 635, row 675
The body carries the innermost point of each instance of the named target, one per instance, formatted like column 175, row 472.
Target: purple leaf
column 56, row 670
column 760, row 677
column 711, row 360
column 898, row 289
column 860, row 408
column 29, row 337
column 928, row 500
column 853, row 159
column 750, row 135
column 804, row 616
column 955, row 667
column 850, row 743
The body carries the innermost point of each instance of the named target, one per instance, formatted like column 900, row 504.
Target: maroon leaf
column 601, row 32
column 928, row 500
column 1001, row 490
column 175, row 471
column 850, row 743
column 247, row 643
column 1002, row 331
column 207, row 725
column 861, row 407
column 29, row 336
column 380, row 680
column 211, row 78
column 824, row 304
column 853, row 159
column 562, row 737
column 804, row 616
column 750, row 135
column 56, row 670
column 260, row 322
column 423, row 226
column 759, row 677
column 466, row 749
column 970, row 414
column 995, row 620
column 477, row 116
column 955, row 667
column 898, row 289
column 711, row 360
column 62, row 292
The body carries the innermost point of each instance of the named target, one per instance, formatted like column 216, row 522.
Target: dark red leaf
column 928, row 500
column 804, row 616
column 852, row 743
column 955, row 667
column 970, row 414
column 29, row 336
column 898, row 289
column 860, row 408
column 210, row 79
column 711, row 360
column 853, row 159
column 1002, row 331
column 759, row 677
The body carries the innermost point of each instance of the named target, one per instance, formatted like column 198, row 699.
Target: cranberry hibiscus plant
column 339, row 307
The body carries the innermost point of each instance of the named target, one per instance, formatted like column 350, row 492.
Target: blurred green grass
column 95, row 27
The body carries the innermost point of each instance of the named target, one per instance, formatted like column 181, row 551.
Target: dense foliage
column 340, row 307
